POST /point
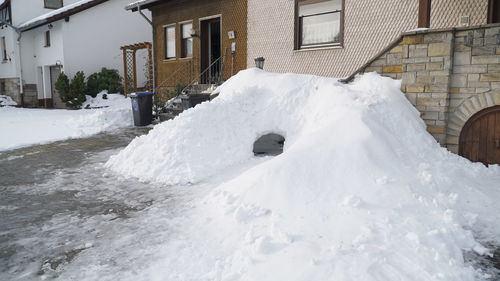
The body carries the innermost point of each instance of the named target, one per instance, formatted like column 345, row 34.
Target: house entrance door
column 210, row 49
column 54, row 74
column 480, row 137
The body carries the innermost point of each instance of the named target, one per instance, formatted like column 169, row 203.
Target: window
column 53, row 4
column 186, row 40
column 47, row 38
column 170, row 42
column 4, row 49
column 5, row 13
column 319, row 23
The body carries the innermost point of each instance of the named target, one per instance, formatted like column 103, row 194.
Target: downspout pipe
column 153, row 44
column 18, row 31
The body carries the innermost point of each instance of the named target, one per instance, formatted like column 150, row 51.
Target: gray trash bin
column 142, row 108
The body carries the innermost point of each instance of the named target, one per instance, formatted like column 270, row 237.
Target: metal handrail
column 221, row 59
column 182, row 67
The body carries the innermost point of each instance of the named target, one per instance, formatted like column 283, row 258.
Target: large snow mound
column 361, row 192
column 22, row 127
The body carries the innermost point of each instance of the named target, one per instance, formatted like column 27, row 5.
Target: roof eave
column 62, row 15
column 4, row 4
column 144, row 5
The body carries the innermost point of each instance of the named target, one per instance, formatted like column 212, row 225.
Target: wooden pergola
column 130, row 67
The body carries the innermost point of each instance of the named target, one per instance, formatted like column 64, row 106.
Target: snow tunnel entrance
column 270, row 144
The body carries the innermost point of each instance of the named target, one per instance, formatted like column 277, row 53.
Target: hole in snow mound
column 270, row 144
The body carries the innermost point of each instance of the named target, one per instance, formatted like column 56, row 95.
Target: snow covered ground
column 21, row 127
column 361, row 192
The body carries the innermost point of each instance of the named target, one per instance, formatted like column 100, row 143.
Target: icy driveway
column 57, row 205
column 62, row 216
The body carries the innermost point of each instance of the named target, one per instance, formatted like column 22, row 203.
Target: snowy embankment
column 361, row 192
column 24, row 127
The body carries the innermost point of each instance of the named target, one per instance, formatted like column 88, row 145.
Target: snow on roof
column 133, row 5
column 45, row 17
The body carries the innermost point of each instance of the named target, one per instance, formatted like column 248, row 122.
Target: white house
column 61, row 35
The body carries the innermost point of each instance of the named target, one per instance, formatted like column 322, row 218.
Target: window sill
column 319, row 48
column 5, row 61
column 186, row 58
column 169, row 60
column 46, row 46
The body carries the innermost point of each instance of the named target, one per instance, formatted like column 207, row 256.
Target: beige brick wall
column 369, row 26
column 447, row 74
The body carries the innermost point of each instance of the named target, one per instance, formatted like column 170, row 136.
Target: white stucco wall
column 8, row 68
column 92, row 38
column 24, row 10
column 89, row 41
column 34, row 52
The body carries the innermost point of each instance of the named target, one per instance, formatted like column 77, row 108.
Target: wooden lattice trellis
column 130, row 67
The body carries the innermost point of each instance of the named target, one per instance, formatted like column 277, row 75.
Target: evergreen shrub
column 106, row 79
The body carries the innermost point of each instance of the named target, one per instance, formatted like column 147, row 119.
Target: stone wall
column 447, row 74
column 30, row 95
column 10, row 87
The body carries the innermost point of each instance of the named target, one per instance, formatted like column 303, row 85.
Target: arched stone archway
column 480, row 137
column 464, row 112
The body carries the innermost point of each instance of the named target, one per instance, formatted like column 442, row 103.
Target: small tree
column 77, row 90
column 72, row 92
column 62, row 86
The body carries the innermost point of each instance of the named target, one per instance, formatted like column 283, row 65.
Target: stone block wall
column 30, row 95
column 447, row 74
column 10, row 87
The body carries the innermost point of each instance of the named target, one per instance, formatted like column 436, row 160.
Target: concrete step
column 166, row 116
column 174, row 111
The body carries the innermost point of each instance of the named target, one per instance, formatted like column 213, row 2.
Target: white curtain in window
column 321, row 29
column 170, row 41
column 186, row 34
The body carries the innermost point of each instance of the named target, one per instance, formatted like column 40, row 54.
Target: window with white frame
column 53, row 4
column 319, row 23
column 186, row 40
column 5, row 13
column 169, row 42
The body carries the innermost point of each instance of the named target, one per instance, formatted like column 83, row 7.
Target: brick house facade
column 171, row 17
column 368, row 27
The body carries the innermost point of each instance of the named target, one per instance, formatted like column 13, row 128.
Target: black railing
column 184, row 81
column 212, row 75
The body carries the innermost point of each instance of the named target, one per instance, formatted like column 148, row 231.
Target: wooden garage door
column 480, row 137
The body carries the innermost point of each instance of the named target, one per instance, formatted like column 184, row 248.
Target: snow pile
column 23, row 127
column 99, row 101
column 361, row 192
column 7, row 101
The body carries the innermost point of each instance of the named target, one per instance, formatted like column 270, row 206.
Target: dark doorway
column 270, row 144
column 494, row 11
column 480, row 137
column 210, row 50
